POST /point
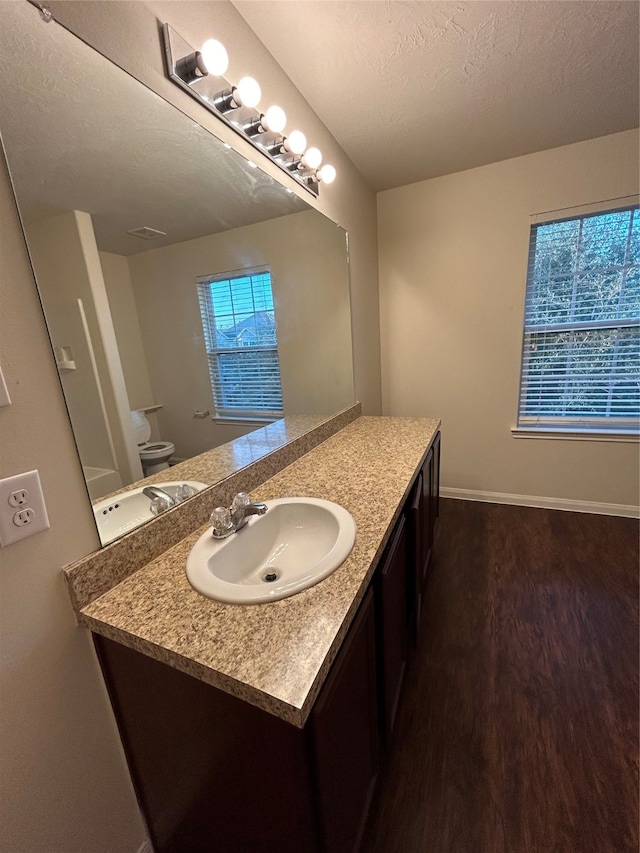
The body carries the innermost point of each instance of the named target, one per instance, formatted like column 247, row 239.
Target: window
column 581, row 351
column 239, row 325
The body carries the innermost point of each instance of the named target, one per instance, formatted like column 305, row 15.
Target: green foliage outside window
column 581, row 355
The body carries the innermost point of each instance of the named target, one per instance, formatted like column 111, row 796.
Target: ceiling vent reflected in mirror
column 146, row 233
column 199, row 72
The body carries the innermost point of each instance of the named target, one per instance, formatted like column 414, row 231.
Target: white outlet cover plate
column 10, row 532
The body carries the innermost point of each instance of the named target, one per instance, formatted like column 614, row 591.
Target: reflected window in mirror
column 240, row 333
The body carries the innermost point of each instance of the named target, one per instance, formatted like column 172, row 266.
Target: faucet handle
column 160, row 504
column 221, row 521
column 240, row 501
column 184, row 491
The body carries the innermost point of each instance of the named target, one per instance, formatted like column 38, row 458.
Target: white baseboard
column 544, row 503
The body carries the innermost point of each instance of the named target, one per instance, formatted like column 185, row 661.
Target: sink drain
column 271, row 576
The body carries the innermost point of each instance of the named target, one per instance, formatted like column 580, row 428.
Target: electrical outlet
column 22, row 508
column 23, row 516
column 20, row 497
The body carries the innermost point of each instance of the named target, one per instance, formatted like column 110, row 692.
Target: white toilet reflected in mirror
column 154, row 455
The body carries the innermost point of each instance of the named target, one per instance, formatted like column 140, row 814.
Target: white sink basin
column 298, row 542
column 117, row 515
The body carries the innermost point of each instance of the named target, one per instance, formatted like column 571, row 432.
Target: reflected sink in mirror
column 121, row 513
column 296, row 544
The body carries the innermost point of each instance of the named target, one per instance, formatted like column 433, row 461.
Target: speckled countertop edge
column 275, row 656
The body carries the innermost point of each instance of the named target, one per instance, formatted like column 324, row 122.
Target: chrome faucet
column 227, row 521
column 162, row 500
column 153, row 492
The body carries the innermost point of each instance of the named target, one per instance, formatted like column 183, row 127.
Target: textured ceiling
column 412, row 90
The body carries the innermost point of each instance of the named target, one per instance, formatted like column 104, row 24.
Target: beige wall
column 453, row 263
column 64, row 782
column 65, row 788
column 133, row 360
column 306, row 255
column 124, row 313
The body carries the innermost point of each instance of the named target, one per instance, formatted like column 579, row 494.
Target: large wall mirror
column 94, row 155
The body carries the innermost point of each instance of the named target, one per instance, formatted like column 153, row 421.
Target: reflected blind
column 581, row 351
column 239, row 324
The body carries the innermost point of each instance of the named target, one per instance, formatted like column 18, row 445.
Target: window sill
column 238, row 421
column 574, row 434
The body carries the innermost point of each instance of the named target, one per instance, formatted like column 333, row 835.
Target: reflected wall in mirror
column 94, row 155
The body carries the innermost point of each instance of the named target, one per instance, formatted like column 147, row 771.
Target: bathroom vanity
column 263, row 727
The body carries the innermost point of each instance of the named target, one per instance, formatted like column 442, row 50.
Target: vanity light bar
column 200, row 72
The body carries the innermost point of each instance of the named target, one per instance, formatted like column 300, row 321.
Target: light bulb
column 327, row 174
column 247, row 92
column 312, row 158
column 274, row 119
column 296, row 142
column 215, row 57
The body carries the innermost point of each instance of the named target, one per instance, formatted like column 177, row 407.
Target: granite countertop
column 275, row 655
column 222, row 461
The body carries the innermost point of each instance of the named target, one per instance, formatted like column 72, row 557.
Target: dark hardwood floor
column 518, row 726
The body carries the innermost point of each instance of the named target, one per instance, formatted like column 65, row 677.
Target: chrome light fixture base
column 207, row 90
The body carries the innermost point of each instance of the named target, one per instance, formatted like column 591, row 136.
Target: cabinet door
column 423, row 510
column 414, row 560
column 435, row 485
column 211, row 772
column 391, row 584
column 344, row 729
column 427, row 507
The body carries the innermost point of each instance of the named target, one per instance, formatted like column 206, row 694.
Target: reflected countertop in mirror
column 219, row 463
column 214, row 465
column 93, row 154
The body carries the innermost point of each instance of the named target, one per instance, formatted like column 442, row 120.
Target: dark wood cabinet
column 391, row 599
column 426, row 523
column 422, row 514
column 344, row 727
column 415, row 558
column 213, row 773
column 435, row 485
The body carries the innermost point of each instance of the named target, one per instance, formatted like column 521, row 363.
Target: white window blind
column 239, row 324
column 581, row 351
